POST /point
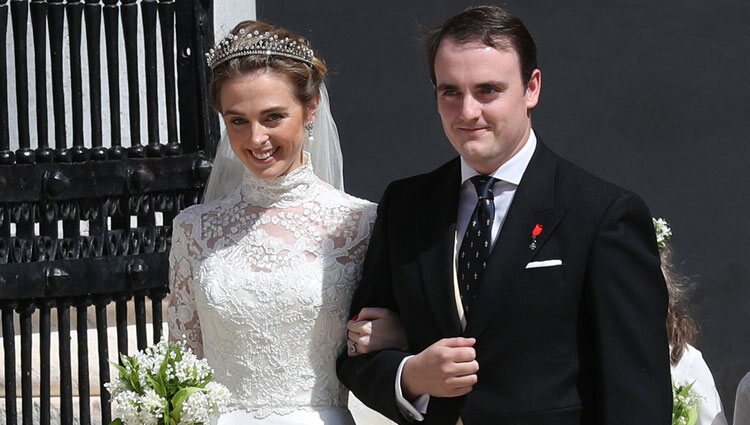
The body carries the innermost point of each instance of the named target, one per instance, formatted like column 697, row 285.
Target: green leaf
column 165, row 362
column 135, row 384
column 123, row 373
column 183, row 395
column 157, row 386
column 174, row 417
column 162, row 375
column 120, row 368
column 116, row 422
column 129, row 372
column 692, row 415
column 165, row 413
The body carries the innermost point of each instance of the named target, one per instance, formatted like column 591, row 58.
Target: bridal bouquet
column 166, row 384
column 685, row 403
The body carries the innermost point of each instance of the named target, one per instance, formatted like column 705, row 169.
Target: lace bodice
column 261, row 284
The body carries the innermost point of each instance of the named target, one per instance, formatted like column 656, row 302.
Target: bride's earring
column 309, row 127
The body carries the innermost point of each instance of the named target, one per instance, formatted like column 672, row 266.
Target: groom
column 530, row 290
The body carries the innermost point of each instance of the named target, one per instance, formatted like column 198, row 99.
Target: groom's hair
column 490, row 25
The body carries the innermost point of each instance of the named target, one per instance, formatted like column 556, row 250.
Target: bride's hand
column 374, row 329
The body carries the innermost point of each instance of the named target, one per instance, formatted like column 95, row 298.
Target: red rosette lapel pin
column 535, row 234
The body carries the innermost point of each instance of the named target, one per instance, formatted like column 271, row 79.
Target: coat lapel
column 436, row 234
column 534, row 203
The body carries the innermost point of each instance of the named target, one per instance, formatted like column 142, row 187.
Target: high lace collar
column 291, row 189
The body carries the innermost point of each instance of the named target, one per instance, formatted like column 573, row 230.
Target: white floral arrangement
column 663, row 232
column 685, row 402
column 166, row 384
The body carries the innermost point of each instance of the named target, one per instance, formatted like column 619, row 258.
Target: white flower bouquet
column 685, row 403
column 166, row 384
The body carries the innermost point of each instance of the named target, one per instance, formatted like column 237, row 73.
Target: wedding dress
column 262, row 280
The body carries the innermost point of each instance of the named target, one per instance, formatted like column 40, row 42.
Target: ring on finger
column 351, row 346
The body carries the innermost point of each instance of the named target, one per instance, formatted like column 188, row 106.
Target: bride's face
column 265, row 122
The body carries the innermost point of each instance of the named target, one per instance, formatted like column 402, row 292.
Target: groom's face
column 483, row 103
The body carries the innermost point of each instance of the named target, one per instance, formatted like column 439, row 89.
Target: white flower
column 124, row 405
column 152, row 402
column 135, row 394
column 196, row 409
column 152, row 358
column 219, row 396
column 663, row 232
column 204, row 405
column 189, row 368
column 135, row 409
column 116, row 387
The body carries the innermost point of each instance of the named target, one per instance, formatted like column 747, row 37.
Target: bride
column 262, row 274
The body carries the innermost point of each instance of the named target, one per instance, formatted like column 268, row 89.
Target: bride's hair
column 681, row 329
column 305, row 78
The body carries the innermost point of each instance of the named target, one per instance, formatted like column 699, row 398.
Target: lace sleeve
column 183, row 317
column 362, row 239
column 357, row 240
column 354, row 235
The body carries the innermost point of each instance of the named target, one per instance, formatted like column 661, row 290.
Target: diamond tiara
column 247, row 43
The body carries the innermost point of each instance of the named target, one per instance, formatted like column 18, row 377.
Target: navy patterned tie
column 477, row 243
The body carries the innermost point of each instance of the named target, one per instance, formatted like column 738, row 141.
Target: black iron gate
column 85, row 214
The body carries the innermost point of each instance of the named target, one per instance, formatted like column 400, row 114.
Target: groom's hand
column 447, row 368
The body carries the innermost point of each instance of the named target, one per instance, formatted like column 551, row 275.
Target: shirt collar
column 512, row 170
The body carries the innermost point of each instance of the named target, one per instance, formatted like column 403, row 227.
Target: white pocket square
column 545, row 263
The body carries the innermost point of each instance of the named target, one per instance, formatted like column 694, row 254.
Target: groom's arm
column 626, row 300
column 371, row 376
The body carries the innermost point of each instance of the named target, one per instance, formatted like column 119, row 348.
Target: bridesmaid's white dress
column 692, row 368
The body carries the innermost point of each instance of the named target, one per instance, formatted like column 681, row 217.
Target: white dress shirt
column 509, row 176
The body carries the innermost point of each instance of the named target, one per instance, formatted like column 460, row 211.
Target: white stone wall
column 227, row 13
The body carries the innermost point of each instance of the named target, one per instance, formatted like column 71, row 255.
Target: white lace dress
column 261, row 281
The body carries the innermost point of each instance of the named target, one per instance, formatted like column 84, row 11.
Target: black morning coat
column 579, row 343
